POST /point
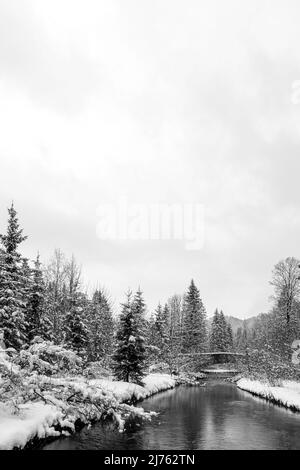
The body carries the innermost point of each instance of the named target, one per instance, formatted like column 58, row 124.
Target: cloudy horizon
column 162, row 102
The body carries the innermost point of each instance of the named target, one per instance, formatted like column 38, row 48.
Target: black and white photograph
column 149, row 228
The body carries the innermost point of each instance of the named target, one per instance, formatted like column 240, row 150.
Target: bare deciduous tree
column 55, row 273
column 73, row 275
column 55, row 276
column 286, row 281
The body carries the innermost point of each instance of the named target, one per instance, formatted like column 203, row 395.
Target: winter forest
column 49, row 303
column 69, row 350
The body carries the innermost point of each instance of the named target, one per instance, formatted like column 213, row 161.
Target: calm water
column 219, row 416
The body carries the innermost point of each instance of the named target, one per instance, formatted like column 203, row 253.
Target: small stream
column 219, row 416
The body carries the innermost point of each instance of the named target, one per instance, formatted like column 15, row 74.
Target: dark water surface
column 219, row 416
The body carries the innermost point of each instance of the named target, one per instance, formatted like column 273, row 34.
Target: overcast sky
column 160, row 101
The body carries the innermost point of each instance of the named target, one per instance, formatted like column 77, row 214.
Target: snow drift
column 288, row 394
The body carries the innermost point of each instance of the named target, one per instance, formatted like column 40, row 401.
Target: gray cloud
column 58, row 75
column 159, row 102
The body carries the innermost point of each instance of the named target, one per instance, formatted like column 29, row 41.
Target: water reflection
column 219, row 416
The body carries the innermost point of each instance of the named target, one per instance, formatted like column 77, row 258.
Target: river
column 219, row 416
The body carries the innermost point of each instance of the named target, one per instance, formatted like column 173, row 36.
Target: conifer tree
column 139, row 307
column 38, row 323
column 75, row 304
column 158, row 321
column 129, row 357
column 100, row 327
column 139, row 312
column 195, row 330
column 26, row 279
column 223, row 345
column 229, row 338
column 215, row 340
column 75, row 326
column 221, row 337
column 151, row 333
column 12, row 294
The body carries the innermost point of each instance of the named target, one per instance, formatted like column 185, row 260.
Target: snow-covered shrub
column 4, row 365
column 7, row 362
column 11, row 381
column 96, row 370
column 269, row 366
column 160, row 367
column 48, row 358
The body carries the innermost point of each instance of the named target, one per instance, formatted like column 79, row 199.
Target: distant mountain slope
column 237, row 323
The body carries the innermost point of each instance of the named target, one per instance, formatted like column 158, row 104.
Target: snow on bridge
column 218, row 353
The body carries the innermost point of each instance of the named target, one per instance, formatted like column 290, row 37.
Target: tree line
column 50, row 302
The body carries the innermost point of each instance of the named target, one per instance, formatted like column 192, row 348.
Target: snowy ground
column 38, row 419
column 223, row 371
column 287, row 395
column 33, row 420
column 125, row 392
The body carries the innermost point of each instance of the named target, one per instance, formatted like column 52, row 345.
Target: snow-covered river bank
column 287, row 395
column 51, row 417
column 218, row 416
column 83, row 402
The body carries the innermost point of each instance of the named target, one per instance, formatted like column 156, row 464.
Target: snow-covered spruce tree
column 151, row 333
column 195, row 329
column 221, row 333
column 226, row 341
column 75, row 328
column 100, row 327
column 140, row 311
column 229, row 337
column 129, row 357
column 26, row 280
column 12, row 306
column 221, row 339
column 215, row 339
column 38, row 323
